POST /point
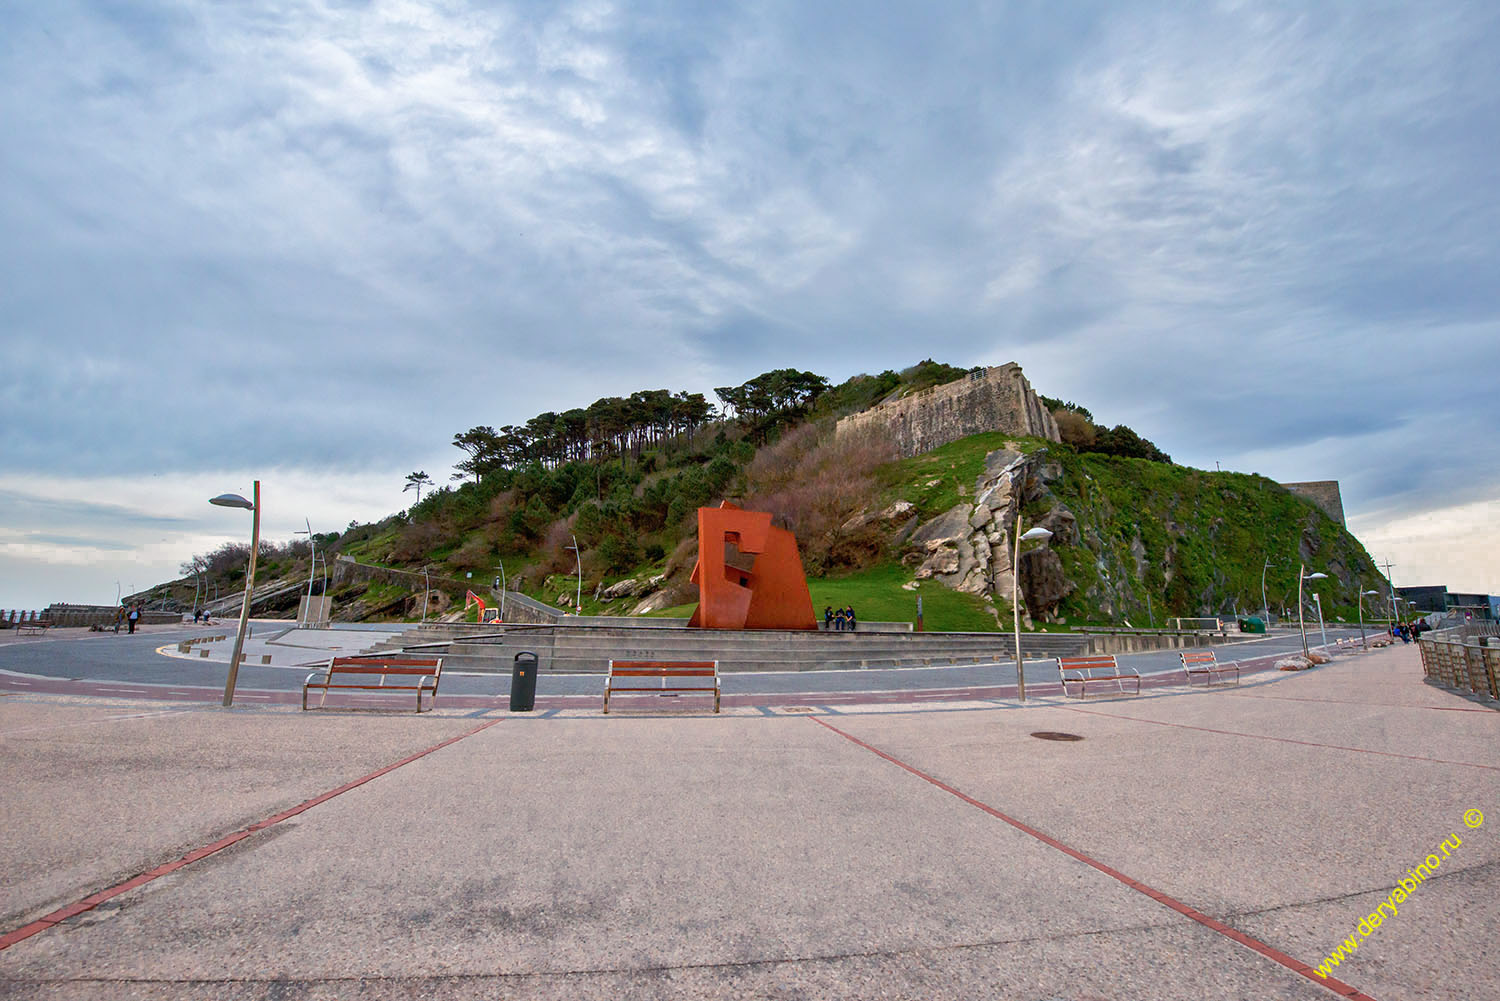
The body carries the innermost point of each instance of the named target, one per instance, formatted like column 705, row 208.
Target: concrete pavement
column 879, row 852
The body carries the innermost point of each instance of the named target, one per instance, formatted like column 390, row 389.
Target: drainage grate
column 1056, row 735
column 797, row 709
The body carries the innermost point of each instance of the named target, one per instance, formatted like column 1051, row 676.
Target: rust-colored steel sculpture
column 749, row 574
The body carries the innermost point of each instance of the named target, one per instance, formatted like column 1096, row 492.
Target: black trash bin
column 523, row 683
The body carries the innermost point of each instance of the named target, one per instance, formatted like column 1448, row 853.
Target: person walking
column 849, row 616
column 119, row 618
column 133, row 616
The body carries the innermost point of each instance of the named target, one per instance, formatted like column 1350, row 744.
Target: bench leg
column 606, row 698
column 716, row 700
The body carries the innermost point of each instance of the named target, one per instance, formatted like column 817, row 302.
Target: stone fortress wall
column 988, row 399
column 1325, row 494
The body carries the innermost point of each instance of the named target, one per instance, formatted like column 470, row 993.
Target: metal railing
column 1466, row 658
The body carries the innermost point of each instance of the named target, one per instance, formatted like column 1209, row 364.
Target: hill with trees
column 624, row 476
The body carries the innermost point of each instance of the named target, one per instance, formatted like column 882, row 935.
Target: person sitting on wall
column 849, row 616
column 839, row 618
column 827, row 617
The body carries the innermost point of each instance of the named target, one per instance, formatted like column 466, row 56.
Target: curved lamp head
column 1036, row 533
column 1316, row 576
column 1369, row 594
column 231, row 500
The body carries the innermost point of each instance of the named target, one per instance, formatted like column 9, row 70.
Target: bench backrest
column 1100, row 662
column 663, row 668
column 1198, row 658
column 432, row 666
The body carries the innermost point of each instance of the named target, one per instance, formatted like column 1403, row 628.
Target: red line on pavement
column 93, row 900
column 1276, row 955
column 1282, row 740
column 1349, row 702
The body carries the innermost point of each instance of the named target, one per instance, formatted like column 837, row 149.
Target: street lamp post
column 502, row 590
column 1362, row 596
column 578, row 554
column 1303, row 575
column 426, row 591
column 1318, row 600
column 1265, row 606
column 312, row 568
column 1015, row 598
column 235, row 500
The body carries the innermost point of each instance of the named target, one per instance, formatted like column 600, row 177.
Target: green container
column 1252, row 624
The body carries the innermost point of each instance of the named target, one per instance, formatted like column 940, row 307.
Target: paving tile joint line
column 93, row 900
column 1233, row 934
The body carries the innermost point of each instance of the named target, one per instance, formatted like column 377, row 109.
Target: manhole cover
column 797, row 709
column 1056, row 735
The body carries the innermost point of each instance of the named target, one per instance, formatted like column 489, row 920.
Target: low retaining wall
column 1112, row 642
column 81, row 616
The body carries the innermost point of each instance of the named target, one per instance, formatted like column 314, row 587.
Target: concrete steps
column 588, row 649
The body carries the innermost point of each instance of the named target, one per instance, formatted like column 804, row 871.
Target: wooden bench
column 682, row 672
column 425, row 671
column 1204, row 662
column 33, row 626
column 1086, row 669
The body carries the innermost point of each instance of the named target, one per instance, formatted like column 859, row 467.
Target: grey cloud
column 25, row 509
column 1239, row 229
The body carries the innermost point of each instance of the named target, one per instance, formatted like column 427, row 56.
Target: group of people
column 1408, row 631
column 129, row 615
column 839, row 619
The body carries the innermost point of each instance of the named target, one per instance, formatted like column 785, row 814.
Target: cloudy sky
column 308, row 241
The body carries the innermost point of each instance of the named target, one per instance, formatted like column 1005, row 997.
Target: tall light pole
column 1318, row 600
column 1390, row 582
column 502, row 588
column 1362, row 596
column 1265, row 606
column 578, row 554
column 1015, row 597
column 312, row 567
column 426, row 590
column 235, row 500
column 1303, row 575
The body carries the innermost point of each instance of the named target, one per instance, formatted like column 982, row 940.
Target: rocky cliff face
column 1132, row 540
column 971, row 546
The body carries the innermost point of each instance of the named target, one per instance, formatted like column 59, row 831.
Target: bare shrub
column 476, row 554
column 553, row 553
column 1074, row 428
column 416, row 541
column 501, row 506
column 814, row 481
column 683, row 557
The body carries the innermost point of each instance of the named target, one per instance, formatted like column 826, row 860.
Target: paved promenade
column 1192, row 845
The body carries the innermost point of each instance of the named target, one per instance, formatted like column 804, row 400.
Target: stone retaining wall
column 988, row 399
